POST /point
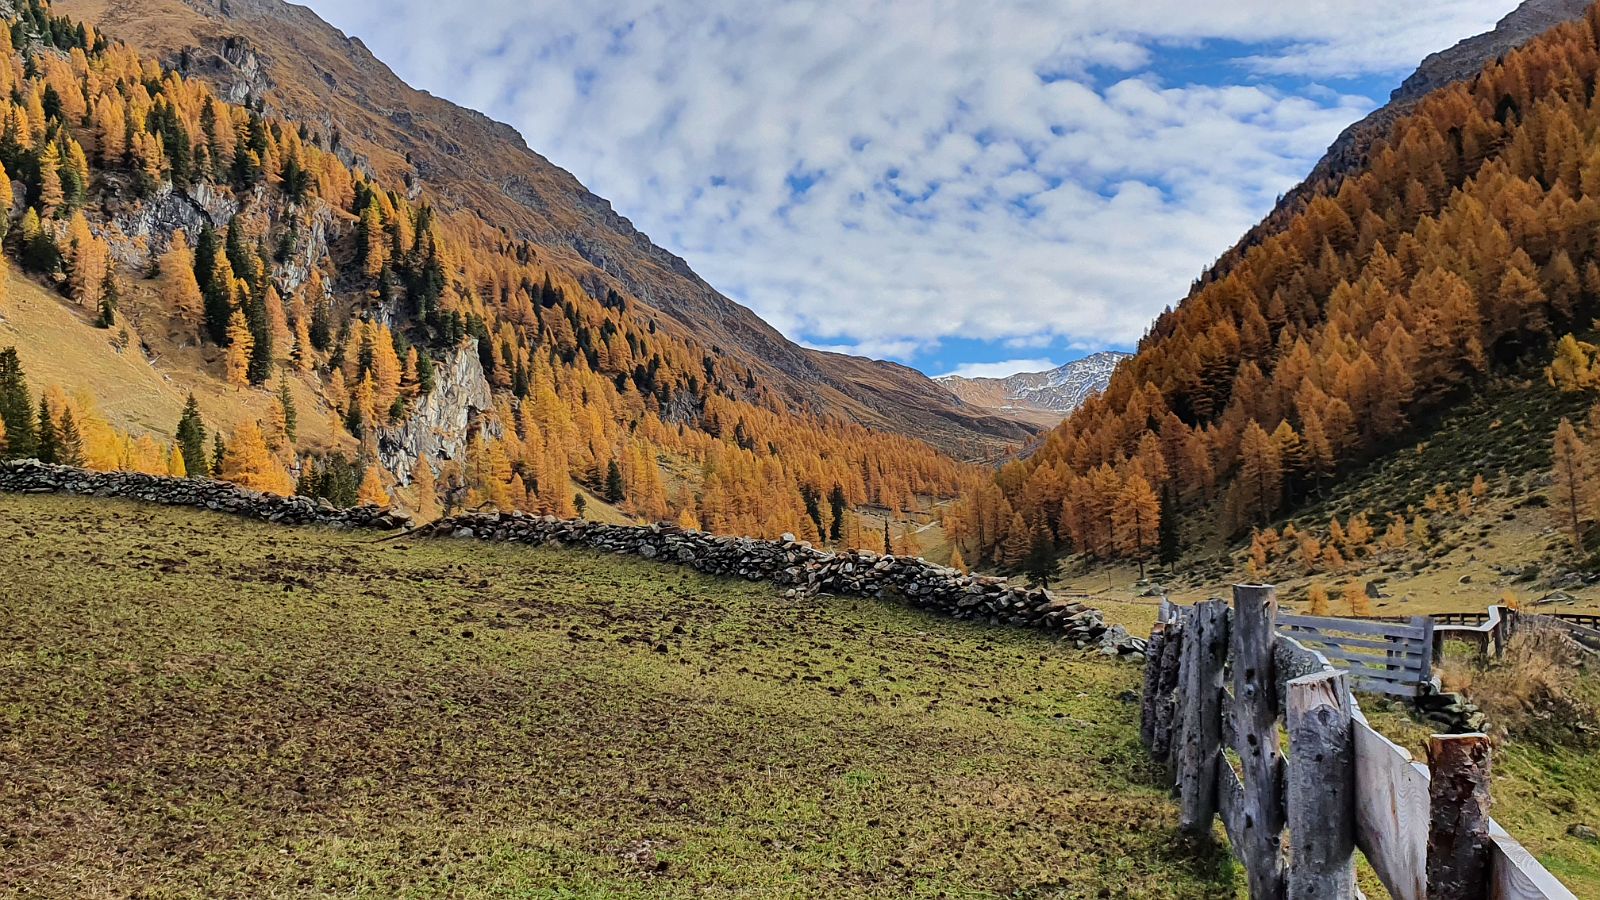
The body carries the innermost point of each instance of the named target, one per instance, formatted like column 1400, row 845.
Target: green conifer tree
column 47, row 447
column 192, row 440
column 69, row 449
column 616, row 491
column 16, row 407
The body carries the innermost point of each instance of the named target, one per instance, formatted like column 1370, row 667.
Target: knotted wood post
column 1166, row 702
column 1322, row 788
column 1255, row 727
column 1207, row 651
column 1152, row 685
column 1459, row 848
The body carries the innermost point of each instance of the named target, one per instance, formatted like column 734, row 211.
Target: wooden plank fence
column 1382, row 657
column 1222, row 679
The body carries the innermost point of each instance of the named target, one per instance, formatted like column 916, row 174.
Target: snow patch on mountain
column 1056, row 392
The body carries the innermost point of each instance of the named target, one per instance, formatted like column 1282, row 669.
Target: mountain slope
column 1352, row 149
column 305, row 70
column 1042, row 397
column 1456, row 253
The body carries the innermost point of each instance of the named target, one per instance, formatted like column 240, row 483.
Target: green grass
column 193, row 705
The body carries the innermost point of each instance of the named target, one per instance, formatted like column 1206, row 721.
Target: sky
column 966, row 186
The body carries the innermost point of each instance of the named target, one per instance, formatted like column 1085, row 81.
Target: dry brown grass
column 1542, row 690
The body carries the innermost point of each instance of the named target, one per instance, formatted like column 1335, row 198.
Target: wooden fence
column 1219, row 682
column 1394, row 658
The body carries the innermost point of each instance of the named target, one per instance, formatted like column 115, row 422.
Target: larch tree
column 1138, row 520
column 1574, row 487
column 1573, row 368
column 1261, row 473
column 241, row 344
column 425, row 489
column 1317, row 600
column 247, row 462
column 371, row 492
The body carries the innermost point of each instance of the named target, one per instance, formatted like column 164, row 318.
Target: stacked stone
column 794, row 565
column 33, row 477
column 805, row 570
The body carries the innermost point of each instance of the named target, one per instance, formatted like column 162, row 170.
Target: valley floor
column 193, row 705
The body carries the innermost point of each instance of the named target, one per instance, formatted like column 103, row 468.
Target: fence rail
column 1222, row 679
column 1381, row 657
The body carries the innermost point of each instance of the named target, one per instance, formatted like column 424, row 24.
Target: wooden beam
column 1165, row 710
column 1350, row 626
column 1391, row 813
column 1518, row 876
column 1459, row 849
column 1255, row 726
column 1152, row 685
column 1322, row 788
column 1206, row 650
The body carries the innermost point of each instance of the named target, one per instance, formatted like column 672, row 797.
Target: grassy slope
column 193, row 705
column 58, row 344
column 1504, row 433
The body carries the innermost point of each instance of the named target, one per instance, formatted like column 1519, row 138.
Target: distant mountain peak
column 1043, row 397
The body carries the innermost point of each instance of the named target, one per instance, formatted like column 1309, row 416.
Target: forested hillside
column 1463, row 250
column 288, row 62
column 228, row 245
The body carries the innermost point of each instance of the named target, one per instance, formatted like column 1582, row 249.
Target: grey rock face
column 442, row 421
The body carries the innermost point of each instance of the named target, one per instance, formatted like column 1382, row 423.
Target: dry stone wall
column 803, row 569
column 33, row 477
column 793, row 565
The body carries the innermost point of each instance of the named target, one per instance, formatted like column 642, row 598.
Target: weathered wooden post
column 1458, row 821
column 1206, row 649
column 1255, row 727
column 1322, row 788
column 1152, row 685
column 1166, row 706
column 1430, row 653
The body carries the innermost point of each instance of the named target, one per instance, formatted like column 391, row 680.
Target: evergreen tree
column 16, row 406
column 286, row 404
column 69, row 450
column 616, row 491
column 192, row 440
column 48, row 446
column 215, row 287
column 836, row 507
column 109, row 298
column 1170, row 538
column 219, row 451
column 1040, row 566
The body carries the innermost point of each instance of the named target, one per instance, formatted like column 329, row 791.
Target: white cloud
column 1015, row 170
column 1001, row 369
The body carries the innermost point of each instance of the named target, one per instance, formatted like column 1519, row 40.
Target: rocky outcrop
column 30, row 476
column 804, row 570
column 310, row 250
column 142, row 227
column 441, row 422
